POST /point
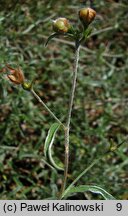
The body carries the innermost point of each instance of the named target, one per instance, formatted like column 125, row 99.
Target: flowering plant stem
column 49, row 111
column 67, row 128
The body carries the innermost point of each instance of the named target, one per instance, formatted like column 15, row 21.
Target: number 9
column 118, row 206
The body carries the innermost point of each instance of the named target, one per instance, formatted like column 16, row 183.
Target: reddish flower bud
column 61, row 25
column 87, row 15
column 16, row 75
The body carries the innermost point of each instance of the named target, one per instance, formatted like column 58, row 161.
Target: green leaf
column 50, row 38
column 91, row 188
column 50, row 137
column 48, row 144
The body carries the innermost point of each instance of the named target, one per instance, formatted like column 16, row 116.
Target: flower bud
column 16, row 75
column 27, row 86
column 61, row 25
column 87, row 15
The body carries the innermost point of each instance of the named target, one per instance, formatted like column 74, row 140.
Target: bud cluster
column 62, row 25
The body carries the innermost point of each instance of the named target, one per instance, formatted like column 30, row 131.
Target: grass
column 100, row 110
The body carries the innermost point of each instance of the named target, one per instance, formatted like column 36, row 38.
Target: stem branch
column 81, row 174
column 50, row 112
column 91, row 165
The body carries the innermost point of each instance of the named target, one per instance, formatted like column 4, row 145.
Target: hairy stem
column 45, row 106
column 67, row 128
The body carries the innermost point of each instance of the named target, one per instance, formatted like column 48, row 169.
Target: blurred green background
column 100, row 112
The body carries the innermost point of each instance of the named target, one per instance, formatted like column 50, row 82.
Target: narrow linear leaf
column 52, row 160
column 50, row 137
column 93, row 189
column 48, row 144
column 50, row 38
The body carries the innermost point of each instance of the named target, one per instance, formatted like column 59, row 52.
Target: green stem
column 67, row 128
column 49, row 111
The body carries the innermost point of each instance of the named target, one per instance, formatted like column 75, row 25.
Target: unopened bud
column 27, row 86
column 87, row 15
column 16, row 76
column 61, row 25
